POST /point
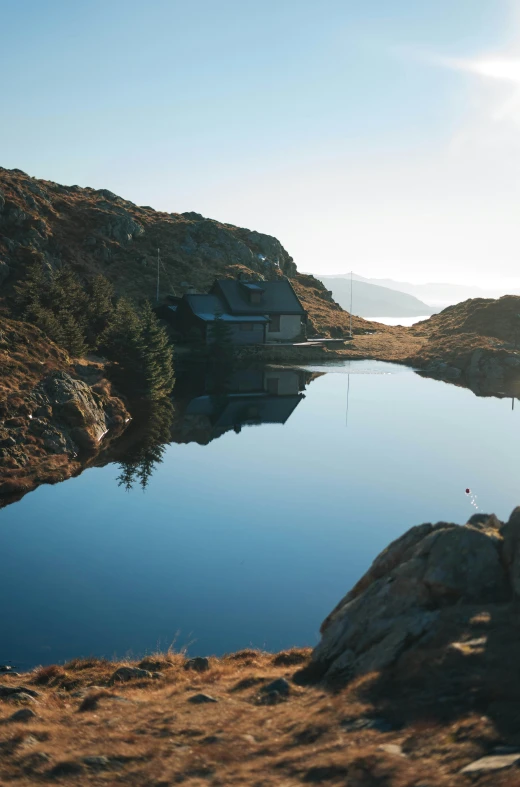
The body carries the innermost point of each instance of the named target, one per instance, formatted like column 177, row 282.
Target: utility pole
column 158, row 273
column 351, row 304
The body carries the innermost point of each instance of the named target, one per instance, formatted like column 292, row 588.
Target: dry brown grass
column 147, row 732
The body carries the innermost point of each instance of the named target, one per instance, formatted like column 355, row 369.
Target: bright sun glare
column 506, row 70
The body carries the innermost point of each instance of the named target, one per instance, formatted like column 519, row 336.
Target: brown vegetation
column 95, row 231
column 28, row 358
column 439, row 709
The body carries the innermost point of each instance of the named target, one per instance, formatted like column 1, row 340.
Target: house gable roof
column 277, row 297
column 206, row 307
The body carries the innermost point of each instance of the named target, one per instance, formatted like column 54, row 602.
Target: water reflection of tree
column 148, row 449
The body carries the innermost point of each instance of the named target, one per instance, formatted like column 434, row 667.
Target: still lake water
column 406, row 321
column 251, row 539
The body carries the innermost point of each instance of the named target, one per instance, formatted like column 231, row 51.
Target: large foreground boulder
column 398, row 601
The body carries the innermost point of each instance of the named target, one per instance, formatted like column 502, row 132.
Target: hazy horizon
column 383, row 140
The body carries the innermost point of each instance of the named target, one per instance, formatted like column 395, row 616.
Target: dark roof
column 278, row 297
column 244, row 409
column 252, row 287
column 206, row 307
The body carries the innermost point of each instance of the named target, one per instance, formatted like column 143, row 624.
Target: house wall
column 286, row 382
column 290, row 328
column 238, row 336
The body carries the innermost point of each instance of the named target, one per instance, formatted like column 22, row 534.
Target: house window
column 256, row 297
column 272, row 385
column 274, row 325
column 246, row 326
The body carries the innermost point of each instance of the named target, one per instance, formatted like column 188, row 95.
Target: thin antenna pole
column 350, row 304
column 158, row 274
column 348, row 393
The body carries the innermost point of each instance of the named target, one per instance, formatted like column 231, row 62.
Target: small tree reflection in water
column 148, row 450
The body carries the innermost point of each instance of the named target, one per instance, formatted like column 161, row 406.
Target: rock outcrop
column 95, row 231
column 477, row 342
column 52, row 413
column 397, row 603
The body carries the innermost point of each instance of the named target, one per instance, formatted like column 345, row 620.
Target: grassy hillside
column 95, row 231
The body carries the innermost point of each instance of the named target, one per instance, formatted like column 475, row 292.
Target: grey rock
column 212, row 739
column 109, row 195
column 35, row 189
column 9, row 691
column 23, row 697
column 282, row 686
column 513, row 361
column 504, row 749
column 473, row 368
column 201, row 699
column 5, row 668
column 105, row 252
column 271, row 698
column 36, row 760
column 392, row 748
column 398, row 600
column 5, row 270
column 66, row 768
column 197, row 664
column 74, row 406
column 511, row 549
column 54, row 441
column 16, row 216
column 122, row 228
column 122, row 674
column 368, row 723
column 98, row 763
column 496, row 762
column 22, row 715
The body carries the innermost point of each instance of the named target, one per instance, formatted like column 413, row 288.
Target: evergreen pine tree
column 100, row 308
column 121, row 333
column 156, row 356
column 140, row 461
column 47, row 321
column 69, row 296
column 33, row 286
column 73, row 338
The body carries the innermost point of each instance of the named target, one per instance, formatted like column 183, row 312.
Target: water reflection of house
column 252, row 397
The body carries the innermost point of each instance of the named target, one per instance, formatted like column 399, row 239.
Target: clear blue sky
column 360, row 133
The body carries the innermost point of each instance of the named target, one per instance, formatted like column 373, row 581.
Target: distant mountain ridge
column 440, row 294
column 372, row 301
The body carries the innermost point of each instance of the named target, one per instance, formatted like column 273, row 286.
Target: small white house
column 275, row 300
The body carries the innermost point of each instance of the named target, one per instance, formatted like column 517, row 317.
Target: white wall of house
column 290, row 328
column 282, row 382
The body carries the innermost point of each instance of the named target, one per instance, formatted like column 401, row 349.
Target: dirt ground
column 439, row 710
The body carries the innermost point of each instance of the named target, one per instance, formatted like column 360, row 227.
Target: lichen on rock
column 399, row 599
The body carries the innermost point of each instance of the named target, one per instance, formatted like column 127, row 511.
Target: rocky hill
column 53, row 412
column 478, row 339
column 95, row 231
